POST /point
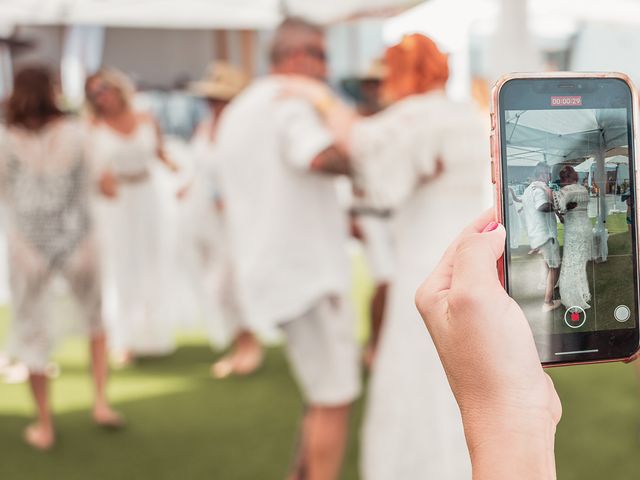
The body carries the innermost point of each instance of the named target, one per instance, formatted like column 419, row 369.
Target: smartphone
column 564, row 168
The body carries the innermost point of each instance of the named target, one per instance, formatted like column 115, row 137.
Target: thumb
column 475, row 265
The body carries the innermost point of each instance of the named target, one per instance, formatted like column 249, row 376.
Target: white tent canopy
column 227, row 14
column 576, row 134
column 611, row 162
column 452, row 23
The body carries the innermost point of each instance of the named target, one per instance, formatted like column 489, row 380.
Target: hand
column 508, row 404
column 338, row 117
column 437, row 173
column 108, row 184
column 183, row 192
column 312, row 90
column 172, row 166
column 355, row 229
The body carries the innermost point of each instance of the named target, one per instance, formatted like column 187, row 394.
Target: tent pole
column 600, row 230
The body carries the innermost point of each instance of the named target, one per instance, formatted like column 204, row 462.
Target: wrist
column 507, row 445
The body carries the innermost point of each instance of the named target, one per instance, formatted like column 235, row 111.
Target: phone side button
column 493, row 172
column 491, row 142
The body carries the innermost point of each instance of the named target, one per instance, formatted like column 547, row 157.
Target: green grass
column 183, row 425
column 609, row 283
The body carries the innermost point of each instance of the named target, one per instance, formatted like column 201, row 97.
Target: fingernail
column 490, row 228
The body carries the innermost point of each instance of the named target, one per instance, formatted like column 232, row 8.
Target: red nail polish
column 490, row 228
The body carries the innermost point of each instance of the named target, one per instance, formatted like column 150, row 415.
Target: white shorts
column 324, row 354
column 550, row 251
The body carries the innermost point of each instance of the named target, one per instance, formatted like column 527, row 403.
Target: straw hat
column 221, row 81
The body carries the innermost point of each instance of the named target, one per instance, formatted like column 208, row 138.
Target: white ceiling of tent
column 253, row 14
column 563, row 135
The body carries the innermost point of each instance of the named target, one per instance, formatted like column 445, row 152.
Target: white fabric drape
column 82, row 56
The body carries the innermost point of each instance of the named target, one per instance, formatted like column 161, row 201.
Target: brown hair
column 415, row 65
column 116, row 80
column 32, row 103
column 568, row 174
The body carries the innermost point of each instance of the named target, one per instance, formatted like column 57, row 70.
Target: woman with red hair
column 424, row 157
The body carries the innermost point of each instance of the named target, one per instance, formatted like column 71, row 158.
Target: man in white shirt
column 287, row 235
column 542, row 229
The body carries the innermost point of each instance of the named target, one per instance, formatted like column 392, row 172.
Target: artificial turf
column 183, row 425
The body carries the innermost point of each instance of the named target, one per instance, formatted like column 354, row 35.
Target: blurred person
column 287, row 235
column 423, row 157
column 125, row 145
column 510, row 409
column 46, row 184
column 573, row 204
column 373, row 226
column 204, row 223
column 542, row 230
column 627, row 198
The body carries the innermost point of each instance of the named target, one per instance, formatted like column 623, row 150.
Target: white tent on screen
column 571, row 137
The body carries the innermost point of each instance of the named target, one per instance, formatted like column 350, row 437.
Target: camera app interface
column 570, row 214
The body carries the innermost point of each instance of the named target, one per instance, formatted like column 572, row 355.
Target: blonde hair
column 115, row 79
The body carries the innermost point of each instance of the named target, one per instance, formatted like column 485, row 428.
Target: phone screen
column 569, row 201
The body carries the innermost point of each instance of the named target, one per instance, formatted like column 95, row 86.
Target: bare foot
column 223, row 368
column 241, row 362
column 40, row 436
column 549, row 307
column 106, row 417
column 248, row 360
column 123, row 359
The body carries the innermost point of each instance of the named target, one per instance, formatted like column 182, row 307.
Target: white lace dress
column 45, row 183
column 138, row 300
column 578, row 246
column 412, row 428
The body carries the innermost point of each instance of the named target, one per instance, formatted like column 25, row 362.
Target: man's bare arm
column 332, row 161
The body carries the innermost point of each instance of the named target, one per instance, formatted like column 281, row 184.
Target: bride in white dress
column 573, row 203
column 423, row 156
column 127, row 147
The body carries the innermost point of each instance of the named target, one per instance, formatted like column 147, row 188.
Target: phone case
column 496, row 164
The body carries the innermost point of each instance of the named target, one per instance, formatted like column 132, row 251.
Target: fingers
column 476, row 256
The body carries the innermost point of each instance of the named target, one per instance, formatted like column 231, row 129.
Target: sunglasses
column 98, row 90
column 317, row 53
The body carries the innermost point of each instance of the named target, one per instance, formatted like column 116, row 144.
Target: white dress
column 413, row 428
column 205, row 247
column 45, row 183
column 138, row 307
column 578, row 247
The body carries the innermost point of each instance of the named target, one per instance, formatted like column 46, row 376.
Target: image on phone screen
column 568, row 195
